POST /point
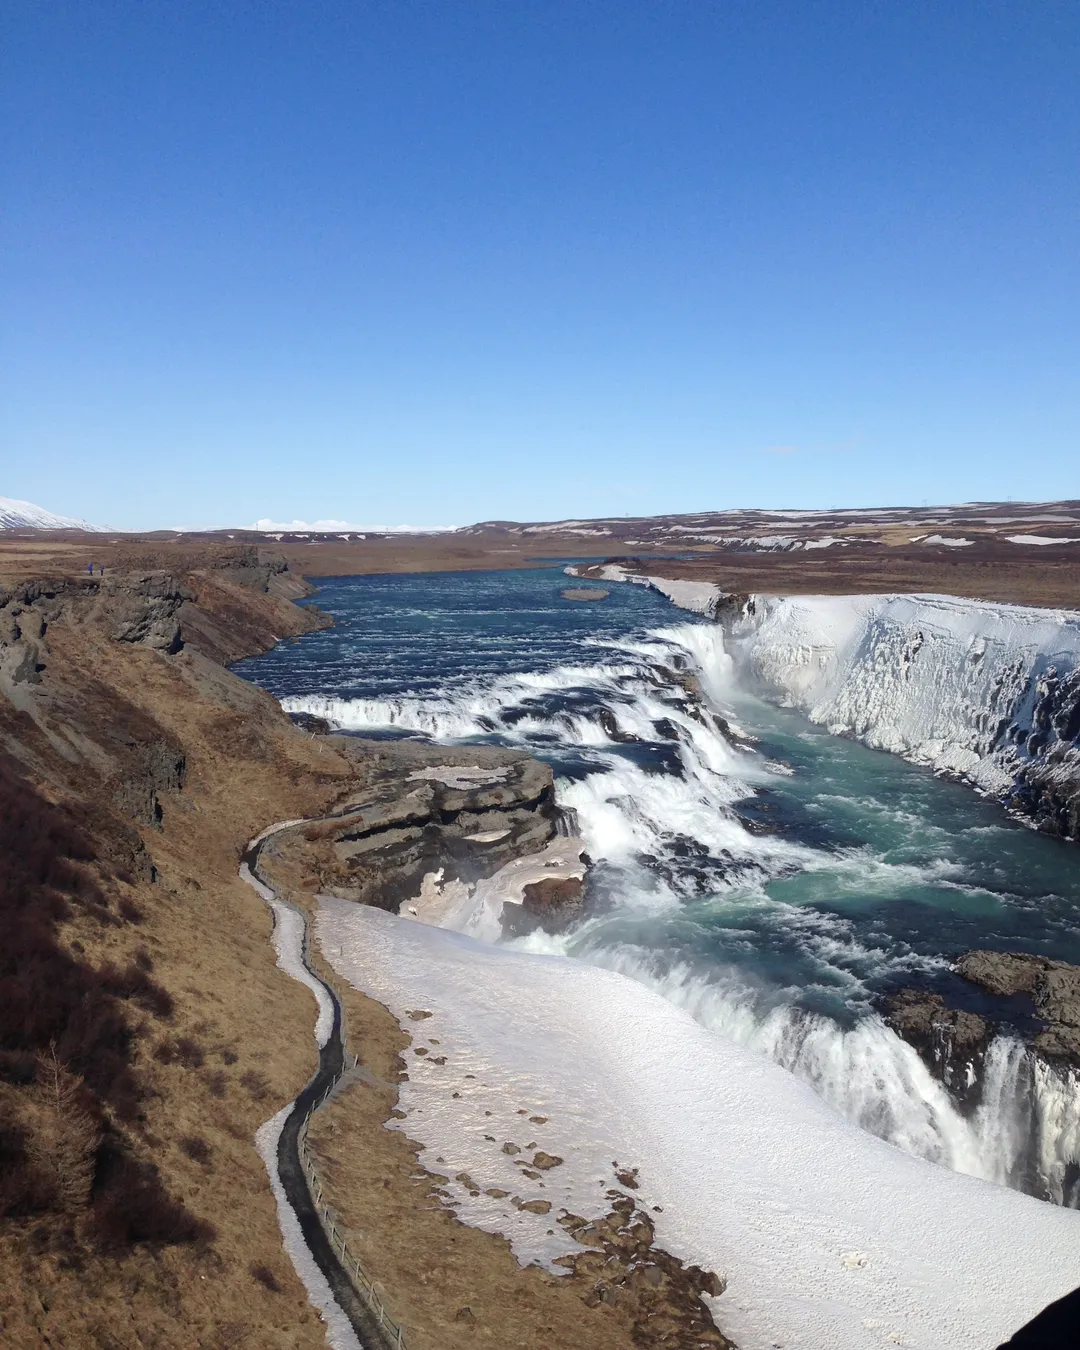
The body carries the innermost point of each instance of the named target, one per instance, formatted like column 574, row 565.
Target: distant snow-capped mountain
column 16, row 515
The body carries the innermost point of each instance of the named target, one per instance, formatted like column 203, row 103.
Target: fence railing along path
column 353, row 1266
column 373, row 1325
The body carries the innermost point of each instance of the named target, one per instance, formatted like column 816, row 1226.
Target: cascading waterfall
column 700, row 901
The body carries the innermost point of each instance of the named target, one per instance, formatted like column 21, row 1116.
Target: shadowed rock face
column 1027, row 999
column 953, row 1041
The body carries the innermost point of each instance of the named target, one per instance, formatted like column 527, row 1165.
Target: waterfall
column 660, row 781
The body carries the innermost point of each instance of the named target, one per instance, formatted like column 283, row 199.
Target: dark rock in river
column 1053, row 986
column 552, row 904
column 950, row 1041
column 606, row 719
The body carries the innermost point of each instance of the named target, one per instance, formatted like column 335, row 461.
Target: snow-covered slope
column 990, row 693
column 19, row 515
column 830, row 1239
column 699, row 597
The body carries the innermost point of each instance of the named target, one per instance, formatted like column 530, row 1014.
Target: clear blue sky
column 440, row 262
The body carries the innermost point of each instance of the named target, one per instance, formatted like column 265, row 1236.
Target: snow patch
column 458, row 776
column 1042, row 539
column 336, row 526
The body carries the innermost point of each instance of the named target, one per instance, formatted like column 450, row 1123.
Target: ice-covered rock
column 985, row 692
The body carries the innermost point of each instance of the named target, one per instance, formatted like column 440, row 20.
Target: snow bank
column 830, row 1239
column 288, row 940
column 699, row 597
column 970, row 688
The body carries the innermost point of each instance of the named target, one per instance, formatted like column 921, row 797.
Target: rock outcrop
column 461, row 814
column 1052, row 986
column 951, row 1041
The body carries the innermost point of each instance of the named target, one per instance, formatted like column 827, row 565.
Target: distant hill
column 16, row 515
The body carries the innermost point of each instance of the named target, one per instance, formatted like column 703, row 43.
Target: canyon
column 148, row 1032
column 147, row 766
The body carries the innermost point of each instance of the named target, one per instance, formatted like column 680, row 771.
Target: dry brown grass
column 450, row 1286
column 239, row 1033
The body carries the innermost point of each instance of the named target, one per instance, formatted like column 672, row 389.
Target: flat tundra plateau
column 1013, row 552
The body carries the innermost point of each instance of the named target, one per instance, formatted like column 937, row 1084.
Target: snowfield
column 20, row 515
column 830, row 1239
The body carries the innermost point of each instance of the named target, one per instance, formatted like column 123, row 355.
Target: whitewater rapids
column 663, row 834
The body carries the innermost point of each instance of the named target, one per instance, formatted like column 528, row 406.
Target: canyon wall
column 986, row 693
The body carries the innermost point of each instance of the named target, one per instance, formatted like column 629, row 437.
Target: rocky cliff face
column 952, row 1042
column 1018, row 1055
